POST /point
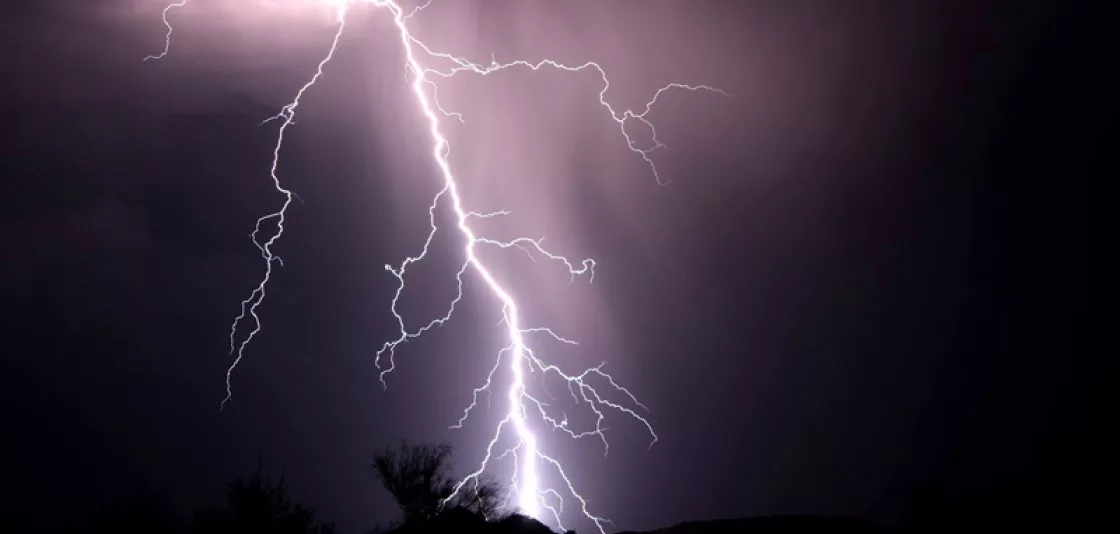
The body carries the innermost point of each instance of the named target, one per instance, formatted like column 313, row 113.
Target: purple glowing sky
column 808, row 309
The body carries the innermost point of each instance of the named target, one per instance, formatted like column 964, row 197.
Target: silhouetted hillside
column 462, row 521
column 419, row 479
column 773, row 525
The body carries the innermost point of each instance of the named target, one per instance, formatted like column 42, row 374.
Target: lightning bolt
column 167, row 24
column 518, row 357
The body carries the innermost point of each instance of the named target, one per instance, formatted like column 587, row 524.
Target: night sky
column 867, row 278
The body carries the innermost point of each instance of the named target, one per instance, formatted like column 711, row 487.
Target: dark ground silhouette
column 256, row 505
column 775, row 525
column 419, row 479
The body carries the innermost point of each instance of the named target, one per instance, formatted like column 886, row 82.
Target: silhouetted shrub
column 419, row 479
column 260, row 506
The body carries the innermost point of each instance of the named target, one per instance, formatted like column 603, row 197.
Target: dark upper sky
column 867, row 277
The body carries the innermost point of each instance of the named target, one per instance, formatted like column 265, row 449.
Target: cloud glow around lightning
column 518, row 356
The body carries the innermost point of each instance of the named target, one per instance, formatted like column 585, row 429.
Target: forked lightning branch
column 513, row 437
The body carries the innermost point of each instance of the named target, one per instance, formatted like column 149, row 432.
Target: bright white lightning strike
column 518, row 355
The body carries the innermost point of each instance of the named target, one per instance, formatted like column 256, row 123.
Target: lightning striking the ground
column 587, row 388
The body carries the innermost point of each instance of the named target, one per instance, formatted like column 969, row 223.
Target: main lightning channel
column 528, row 501
column 526, row 451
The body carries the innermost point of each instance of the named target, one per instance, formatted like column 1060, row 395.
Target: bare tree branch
column 419, row 479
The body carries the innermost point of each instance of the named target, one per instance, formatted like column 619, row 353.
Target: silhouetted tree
column 260, row 506
column 420, row 481
column 483, row 496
